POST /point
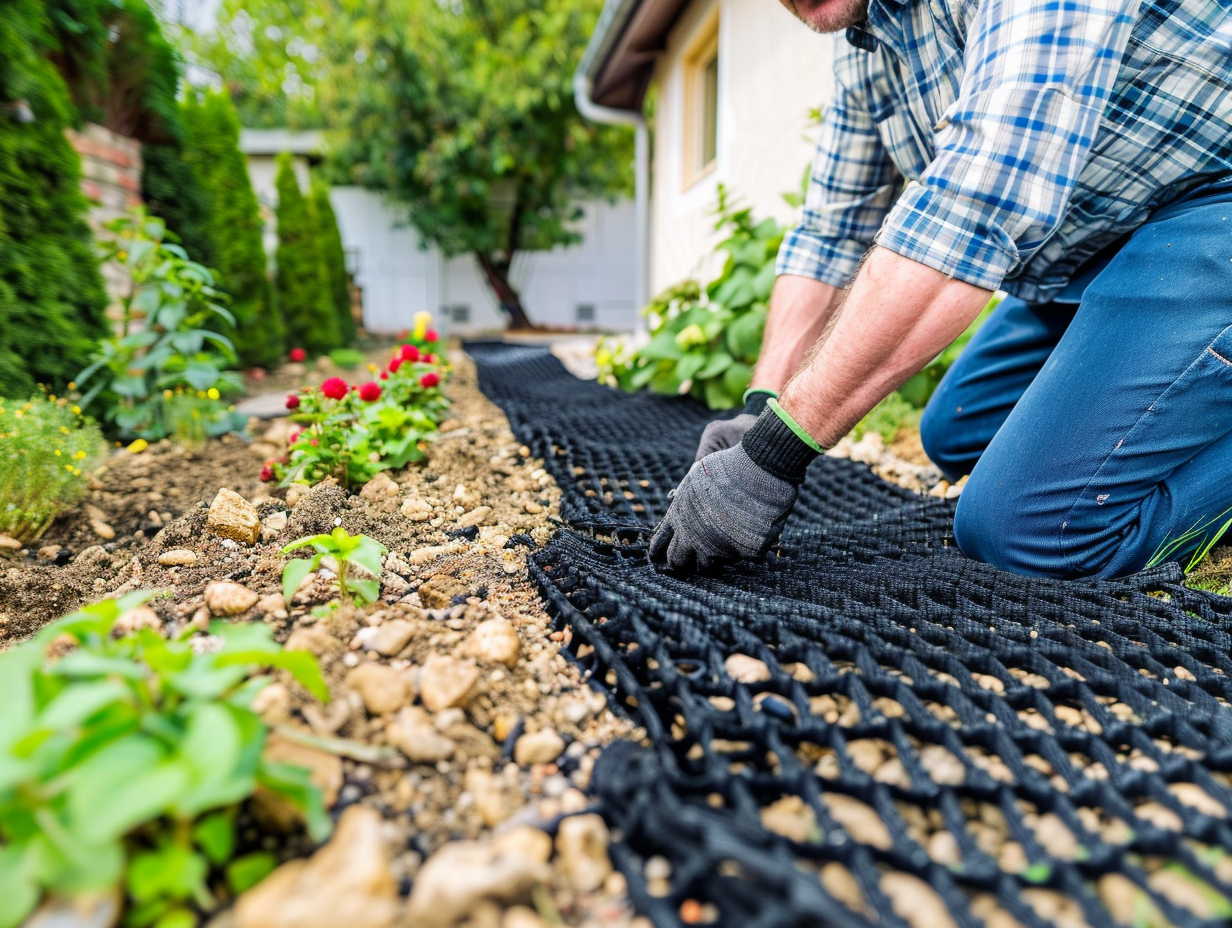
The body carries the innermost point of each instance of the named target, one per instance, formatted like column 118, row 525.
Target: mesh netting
column 867, row 727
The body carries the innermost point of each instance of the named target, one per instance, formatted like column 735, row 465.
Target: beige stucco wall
column 772, row 71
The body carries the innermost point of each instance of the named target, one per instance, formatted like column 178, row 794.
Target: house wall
column 772, row 71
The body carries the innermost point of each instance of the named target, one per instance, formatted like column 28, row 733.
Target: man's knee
column 939, row 435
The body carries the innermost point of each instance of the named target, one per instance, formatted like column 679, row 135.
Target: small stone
column 540, row 747
column 492, row 799
column 99, row 909
column 273, row 525
column 476, row 516
column 10, row 545
column 429, row 553
column 745, row 669
column 495, row 641
column 521, row 917
column 581, row 848
column 232, row 516
column 416, row 510
column 381, row 486
column 532, row 508
column 315, row 639
column 462, row 875
column 295, row 493
column 325, row 769
column 439, row 590
column 382, row 688
column 391, row 637
column 222, row 597
column 272, row 605
column 525, row 841
column 178, row 557
column 102, row 529
column 347, row 882
column 915, row 901
column 413, row 733
column 446, row 681
column 48, row 552
column 792, row 818
column 1194, row 796
column 135, row 619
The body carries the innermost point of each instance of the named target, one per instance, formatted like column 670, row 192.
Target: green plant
column 333, row 258
column 705, row 344
column 124, row 760
column 46, row 451
column 52, row 300
column 303, row 284
column 1198, row 540
column 236, row 227
column 138, row 378
column 347, row 358
column 347, row 551
column 888, row 418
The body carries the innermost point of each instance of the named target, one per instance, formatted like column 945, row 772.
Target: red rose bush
column 352, row 432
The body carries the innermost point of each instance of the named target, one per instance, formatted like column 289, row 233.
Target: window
column 585, row 313
column 701, row 104
column 460, row 313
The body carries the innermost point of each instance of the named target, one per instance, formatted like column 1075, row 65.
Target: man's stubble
column 828, row 15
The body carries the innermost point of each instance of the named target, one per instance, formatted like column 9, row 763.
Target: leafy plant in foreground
column 348, row 551
column 46, row 451
column 164, row 350
column 123, row 763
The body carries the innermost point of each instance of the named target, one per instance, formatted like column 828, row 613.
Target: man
column 1077, row 154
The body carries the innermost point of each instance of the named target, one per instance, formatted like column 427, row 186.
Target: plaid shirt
column 1031, row 134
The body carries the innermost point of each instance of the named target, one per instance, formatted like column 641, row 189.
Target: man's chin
column 829, row 15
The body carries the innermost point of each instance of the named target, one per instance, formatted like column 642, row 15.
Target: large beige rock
column 414, row 734
column 346, row 884
column 495, row 641
column 232, row 516
column 382, row 688
column 581, row 847
column 463, row 875
column 223, row 597
column 538, row 747
column 446, row 682
column 178, row 557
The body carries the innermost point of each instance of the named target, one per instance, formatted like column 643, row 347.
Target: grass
column 47, row 449
column 887, row 419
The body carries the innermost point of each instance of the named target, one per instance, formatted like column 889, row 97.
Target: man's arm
column 800, row 310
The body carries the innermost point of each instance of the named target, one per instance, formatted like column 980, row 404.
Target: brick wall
column 111, row 178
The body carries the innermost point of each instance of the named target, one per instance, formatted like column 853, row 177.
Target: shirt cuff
column 950, row 235
column 831, row 261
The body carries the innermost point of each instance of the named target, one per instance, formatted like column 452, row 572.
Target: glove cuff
column 755, row 400
column 775, row 447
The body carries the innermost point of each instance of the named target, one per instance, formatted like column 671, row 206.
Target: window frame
column 701, row 53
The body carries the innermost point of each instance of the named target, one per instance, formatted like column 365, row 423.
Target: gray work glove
column 726, row 433
column 732, row 504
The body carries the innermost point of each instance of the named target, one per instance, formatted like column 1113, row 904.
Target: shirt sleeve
column 1038, row 76
column 851, row 186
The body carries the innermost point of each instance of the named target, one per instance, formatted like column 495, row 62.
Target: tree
column 173, row 191
column 235, row 227
column 329, row 244
column 463, row 112
column 303, row 282
column 52, row 301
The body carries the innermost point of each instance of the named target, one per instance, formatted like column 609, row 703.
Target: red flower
column 370, row 392
column 384, row 375
column 293, row 436
column 430, row 379
column 292, row 401
column 298, row 354
column 335, row 388
column 313, row 442
column 267, row 473
column 394, row 365
column 410, row 353
column 429, row 359
column 431, row 336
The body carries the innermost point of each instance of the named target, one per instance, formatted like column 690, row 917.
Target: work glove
column 726, row 433
column 732, row 504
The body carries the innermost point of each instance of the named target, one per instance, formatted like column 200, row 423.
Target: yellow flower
column 19, row 414
column 200, row 394
column 122, row 255
column 212, row 393
column 80, row 455
column 167, row 394
column 64, row 429
column 72, row 385
column 57, row 452
column 138, row 446
column 76, row 410
column 423, row 319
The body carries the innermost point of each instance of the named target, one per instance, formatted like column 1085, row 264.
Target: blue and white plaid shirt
column 1031, row 134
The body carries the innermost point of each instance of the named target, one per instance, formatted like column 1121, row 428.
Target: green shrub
column 347, row 358
column 164, row 373
column 46, row 452
column 348, row 551
column 303, row 285
column 52, row 301
column 172, row 191
column 235, row 227
column 329, row 243
column 124, row 761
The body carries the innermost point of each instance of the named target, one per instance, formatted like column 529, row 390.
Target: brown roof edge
column 621, row 70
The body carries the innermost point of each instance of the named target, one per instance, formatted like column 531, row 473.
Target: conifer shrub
column 329, row 239
column 173, row 191
column 52, row 301
column 303, row 285
column 235, row 227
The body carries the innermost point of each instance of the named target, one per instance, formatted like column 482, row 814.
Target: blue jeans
column 1097, row 433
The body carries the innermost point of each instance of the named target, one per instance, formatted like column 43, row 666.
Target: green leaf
column 171, row 872
column 293, row 575
column 19, row 893
column 736, row 379
column 215, row 835
column 368, row 554
column 82, row 700
column 716, row 365
column 690, row 364
column 210, row 752
column 120, row 786
column 200, row 375
column 744, row 335
column 367, row 591
column 295, row 784
column 662, row 347
column 301, row 665
column 245, row 872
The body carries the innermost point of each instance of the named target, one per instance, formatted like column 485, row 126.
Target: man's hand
column 726, row 433
column 726, row 508
column 733, row 503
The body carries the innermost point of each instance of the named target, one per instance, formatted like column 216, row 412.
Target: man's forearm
column 898, row 316
column 800, row 309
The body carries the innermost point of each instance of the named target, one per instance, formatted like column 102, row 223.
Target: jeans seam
column 1069, row 560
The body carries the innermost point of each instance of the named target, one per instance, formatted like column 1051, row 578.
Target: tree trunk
column 510, row 302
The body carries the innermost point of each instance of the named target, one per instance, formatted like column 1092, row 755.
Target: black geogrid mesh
column 945, row 743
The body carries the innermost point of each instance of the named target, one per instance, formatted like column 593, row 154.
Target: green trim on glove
column 751, row 390
column 795, row 426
